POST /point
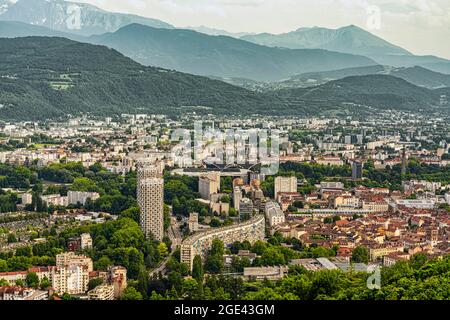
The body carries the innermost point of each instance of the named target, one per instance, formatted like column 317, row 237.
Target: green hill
column 375, row 91
column 43, row 77
column 51, row 77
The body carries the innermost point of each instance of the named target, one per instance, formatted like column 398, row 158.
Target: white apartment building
column 56, row 200
column 447, row 198
column 199, row 244
column 417, row 204
column 285, row 184
column 208, row 185
column 75, row 197
column 193, row 222
column 237, row 197
column 71, row 279
column 148, row 171
column 102, row 292
column 274, row 214
column 70, row 258
column 86, row 241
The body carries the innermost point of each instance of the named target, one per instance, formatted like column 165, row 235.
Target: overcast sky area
column 420, row 26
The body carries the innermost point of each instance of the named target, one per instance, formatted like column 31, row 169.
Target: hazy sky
column 420, row 26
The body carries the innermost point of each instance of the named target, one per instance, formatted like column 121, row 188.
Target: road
column 176, row 237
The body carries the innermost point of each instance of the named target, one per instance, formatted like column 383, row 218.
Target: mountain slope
column 218, row 32
column 220, row 56
column 349, row 39
column 15, row 29
column 50, row 77
column 376, row 91
column 432, row 63
column 62, row 16
column 416, row 75
column 352, row 40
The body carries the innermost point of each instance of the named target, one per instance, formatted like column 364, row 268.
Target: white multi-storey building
column 208, row 185
column 274, row 214
column 285, row 184
column 86, row 241
column 237, row 197
column 75, row 197
column 199, row 244
column 151, row 202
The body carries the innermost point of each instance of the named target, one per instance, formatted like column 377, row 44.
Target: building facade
column 285, row 184
column 200, row 243
column 208, row 185
column 150, row 196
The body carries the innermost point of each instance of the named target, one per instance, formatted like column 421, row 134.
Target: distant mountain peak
column 58, row 15
column 349, row 39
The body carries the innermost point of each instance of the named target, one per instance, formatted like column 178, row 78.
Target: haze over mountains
column 61, row 15
column 222, row 56
column 213, row 56
column 349, row 39
column 416, row 75
column 354, row 40
column 317, row 69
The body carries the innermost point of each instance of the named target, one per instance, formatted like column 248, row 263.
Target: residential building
column 150, row 196
column 285, row 184
column 117, row 277
column 21, row 293
column 237, row 196
column 274, row 214
column 102, row 292
column 85, row 241
column 193, row 222
column 75, row 197
column 56, row 200
column 209, row 184
column 200, row 243
column 357, row 170
column 269, row 273
column 246, row 207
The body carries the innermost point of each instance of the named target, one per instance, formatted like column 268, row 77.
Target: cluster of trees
column 12, row 145
column 8, row 201
column 119, row 242
column 419, row 278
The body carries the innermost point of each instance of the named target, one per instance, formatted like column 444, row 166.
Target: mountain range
column 215, row 56
column 197, row 53
column 115, row 63
column 350, row 39
column 43, row 77
column 418, row 76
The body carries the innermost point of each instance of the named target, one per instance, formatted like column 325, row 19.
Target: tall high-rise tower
column 150, row 197
column 357, row 170
column 404, row 162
